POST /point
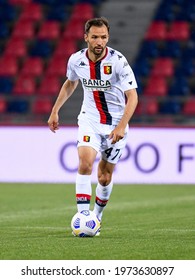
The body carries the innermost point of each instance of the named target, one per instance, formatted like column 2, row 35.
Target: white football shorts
column 95, row 135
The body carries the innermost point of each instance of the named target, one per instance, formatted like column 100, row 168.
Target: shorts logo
column 86, row 138
column 107, row 69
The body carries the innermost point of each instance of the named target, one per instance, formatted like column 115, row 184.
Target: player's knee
column 105, row 179
column 85, row 167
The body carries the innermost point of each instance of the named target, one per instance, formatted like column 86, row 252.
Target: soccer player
column 110, row 99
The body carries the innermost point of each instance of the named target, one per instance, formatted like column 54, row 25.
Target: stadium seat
column 24, row 86
column 170, row 107
column 8, row 66
column 4, row 30
column 163, row 67
column 57, row 13
column 49, row 30
column 42, row 106
column 77, row 26
column 179, row 87
column 50, row 85
column 189, row 52
column 149, row 49
column 185, row 67
column 65, row 47
column 8, row 13
column 3, row 105
column 152, row 106
column 33, row 66
column 156, row 31
column 21, row 3
column 165, row 12
column 32, row 11
column 156, row 86
column 41, row 48
column 16, row 48
column 6, row 85
column 189, row 107
column 171, row 49
column 142, row 67
column 24, row 29
column 178, row 30
column 82, row 11
column 187, row 13
column 57, row 67
column 18, row 106
column 147, row 106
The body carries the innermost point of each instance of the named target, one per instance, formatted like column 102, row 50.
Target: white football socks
column 83, row 192
column 102, row 196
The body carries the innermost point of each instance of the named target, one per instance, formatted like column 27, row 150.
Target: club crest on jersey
column 107, row 69
column 86, row 138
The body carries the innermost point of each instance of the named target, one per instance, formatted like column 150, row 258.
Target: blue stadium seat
column 41, row 48
column 18, row 106
column 6, row 85
column 141, row 67
column 4, row 30
column 179, row 87
column 170, row 107
column 186, row 67
column 165, row 12
column 149, row 49
column 58, row 13
column 8, row 12
column 171, row 49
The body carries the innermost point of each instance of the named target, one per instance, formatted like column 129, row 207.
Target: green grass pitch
column 141, row 222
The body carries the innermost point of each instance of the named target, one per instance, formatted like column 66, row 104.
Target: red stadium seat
column 42, row 106
column 33, row 66
column 8, row 66
column 77, row 26
column 3, row 105
column 50, row 85
column 25, row 86
column 178, row 30
column 32, row 11
column 57, row 66
column 189, row 107
column 23, row 29
column 156, row 31
column 65, row 47
column 163, row 67
column 82, row 11
column 152, row 106
column 49, row 30
column 16, row 47
column 156, row 86
column 147, row 106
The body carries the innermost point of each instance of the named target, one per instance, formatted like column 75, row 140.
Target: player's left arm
column 131, row 104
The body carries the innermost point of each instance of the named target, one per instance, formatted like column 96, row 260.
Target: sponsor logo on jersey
column 96, row 84
column 82, row 63
column 125, row 64
column 107, row 69
column 86, row 138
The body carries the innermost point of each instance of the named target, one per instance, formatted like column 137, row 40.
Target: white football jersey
column 104, row 83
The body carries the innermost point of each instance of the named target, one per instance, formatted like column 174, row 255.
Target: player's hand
column 117, row 134
column 53, row 122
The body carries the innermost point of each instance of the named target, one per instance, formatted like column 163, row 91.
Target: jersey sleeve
column 126, row 75
column 71, row 74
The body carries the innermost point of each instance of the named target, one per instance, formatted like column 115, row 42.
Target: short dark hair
column 99, row 22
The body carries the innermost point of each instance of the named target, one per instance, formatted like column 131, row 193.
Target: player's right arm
column 66, row 91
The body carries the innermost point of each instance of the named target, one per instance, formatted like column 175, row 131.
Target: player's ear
column 85, row 38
